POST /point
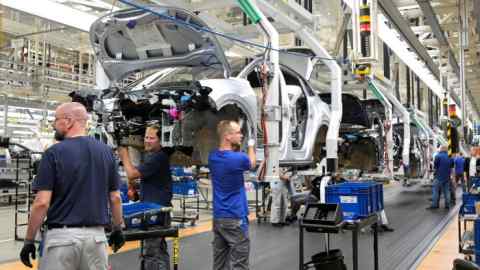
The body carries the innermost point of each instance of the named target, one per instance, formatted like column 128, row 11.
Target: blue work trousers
column 445, row 187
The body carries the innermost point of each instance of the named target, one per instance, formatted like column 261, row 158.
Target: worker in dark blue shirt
column 156, row 187
column 443, row 165
column 76, row 184
column 231, row 244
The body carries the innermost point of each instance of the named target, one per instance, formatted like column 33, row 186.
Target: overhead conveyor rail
column 395, row 32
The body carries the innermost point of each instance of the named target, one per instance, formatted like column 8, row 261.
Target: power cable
column 226, row 36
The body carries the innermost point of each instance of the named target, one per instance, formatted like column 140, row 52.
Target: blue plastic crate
column 474, row 182
column 180, row 171
column 375, row 189
column 357, row 199
column 136, row 214
column 469, row 200
column 476, row 230
column 186, row 187
column 177, row 171
column 376, row 193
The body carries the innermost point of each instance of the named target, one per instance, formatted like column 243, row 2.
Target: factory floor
column 422, row 239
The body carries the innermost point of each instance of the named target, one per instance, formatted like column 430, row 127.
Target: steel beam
column 432, row 20
column 399, row 22
column 476, row 12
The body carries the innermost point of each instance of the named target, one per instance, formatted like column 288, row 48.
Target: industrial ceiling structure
column 432, row 31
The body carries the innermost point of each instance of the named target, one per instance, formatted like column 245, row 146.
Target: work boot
column 386, row 228
column 291, row 219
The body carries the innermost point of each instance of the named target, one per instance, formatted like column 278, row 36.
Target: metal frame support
column 364, row 28
column 429, row 134
column 386, row 88
column 409, row 93
column 386, row 61
column 389, row 121
column 336, row 77
column 272, row 170
column 462, row 44
column 419, row 94
column 5, row 114
column 430, row 107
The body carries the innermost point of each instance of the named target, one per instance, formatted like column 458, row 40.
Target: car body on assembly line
column 192, row 86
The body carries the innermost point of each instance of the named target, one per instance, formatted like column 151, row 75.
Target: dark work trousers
column 155, row 253
column 444, row 186
column 453, row 193
column 231, row 245
column 460, row 181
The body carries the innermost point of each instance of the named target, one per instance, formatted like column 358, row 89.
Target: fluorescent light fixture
column 54, row 11
column 23, row 132
column 400, row 47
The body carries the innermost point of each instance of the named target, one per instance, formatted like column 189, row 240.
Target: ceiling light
column 54, row 11
column 393, row 40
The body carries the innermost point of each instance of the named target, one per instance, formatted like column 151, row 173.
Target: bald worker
column 76, row 185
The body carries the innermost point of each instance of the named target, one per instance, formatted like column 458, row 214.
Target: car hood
column 134, row 40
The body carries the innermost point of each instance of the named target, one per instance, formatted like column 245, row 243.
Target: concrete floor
column 10, row 249
column 404, row 205
column 277, row 248
column 8, row 246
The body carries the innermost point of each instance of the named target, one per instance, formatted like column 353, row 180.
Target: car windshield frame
column 161, row 76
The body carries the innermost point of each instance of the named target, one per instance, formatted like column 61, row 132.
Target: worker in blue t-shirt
column 77, row 186
column 156, row 187
column 231, row 244
column 460, row 170
column 443, row 165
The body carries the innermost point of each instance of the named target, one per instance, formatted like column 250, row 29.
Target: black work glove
column 27, row 251
column 116, row 239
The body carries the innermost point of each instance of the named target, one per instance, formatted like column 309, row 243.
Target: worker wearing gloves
column 155, row 187
column 231, row 244
column 77, row 180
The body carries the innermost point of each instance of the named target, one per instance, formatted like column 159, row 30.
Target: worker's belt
column 63, row 226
